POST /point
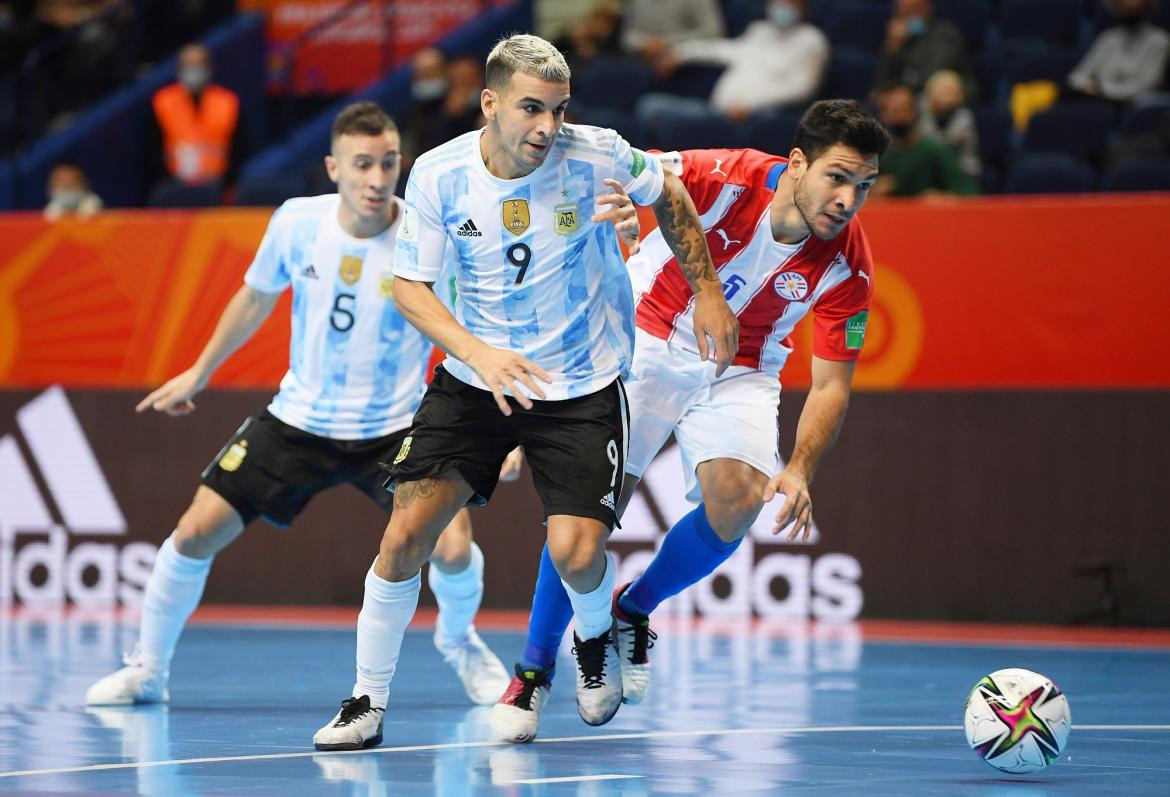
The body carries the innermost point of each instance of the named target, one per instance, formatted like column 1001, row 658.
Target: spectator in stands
column 428, row 89
column 195, row 129
column 917, row 45
column 597, row 35
column 69, row 193
column 652, row 27
column 946, row 118
column 1126, row 60
column 915, row 164
column 778, row 61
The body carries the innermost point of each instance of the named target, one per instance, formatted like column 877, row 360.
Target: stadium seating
column 1080, row 129
column 1048, row 173
column 1138, row 176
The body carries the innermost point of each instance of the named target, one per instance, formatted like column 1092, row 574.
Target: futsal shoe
column 482, row 673
column 134, row 683
column 357, row 725
column 516, row 716
column 633, row 638
column 599, row 678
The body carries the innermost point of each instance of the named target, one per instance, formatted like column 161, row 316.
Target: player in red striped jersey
column 784, row 239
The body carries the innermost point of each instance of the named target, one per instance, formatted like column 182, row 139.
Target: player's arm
column 683, row 232
column 820, row 423
column 244, row 314
column 498, row 368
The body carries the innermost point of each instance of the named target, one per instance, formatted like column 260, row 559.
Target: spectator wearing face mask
column 195, row 125
column 917, row 45
column 915, row 164
column 428, row 92
column 1127, row 59
column 777, row 61
column 69, row 193
column 946, row 118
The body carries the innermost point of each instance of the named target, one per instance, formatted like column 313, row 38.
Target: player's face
column 831, row 189
column 365, row 169
column 526, row 117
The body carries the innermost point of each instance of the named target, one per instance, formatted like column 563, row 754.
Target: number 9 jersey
column 533, row 273
column 356, row 367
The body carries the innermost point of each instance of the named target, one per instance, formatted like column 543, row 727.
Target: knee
column 576, row 561
column 197, row 537
column 731, row 513
column 401, row 555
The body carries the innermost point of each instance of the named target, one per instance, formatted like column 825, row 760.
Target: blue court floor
column 751, row 709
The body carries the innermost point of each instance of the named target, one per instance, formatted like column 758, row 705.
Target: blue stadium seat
column 622, row 121
column 853, row 23
column 692, row 80
column 850, row 74
column 1051, row 21
column 989, row 75
column 1145, row 117
column 996, row 134
column 1049, row 173
column 1138, row 176
column 972, row 17
column 687, row 131
column 738, row 14
column 269, row 190
column 611, row 83
column 1080, row 129
column 773, row 132
column 1029, row 61
column 174, row 194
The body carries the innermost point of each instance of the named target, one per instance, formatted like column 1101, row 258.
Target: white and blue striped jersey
column 356, row 367
column 533, row 274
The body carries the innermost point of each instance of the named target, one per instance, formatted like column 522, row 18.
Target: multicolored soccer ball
column 1017, row 720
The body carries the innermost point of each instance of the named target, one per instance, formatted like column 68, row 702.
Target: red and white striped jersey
column 769, row 286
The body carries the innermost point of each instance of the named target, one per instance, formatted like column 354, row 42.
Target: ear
column 489, row 103
column 797, row 162
column 331, row 167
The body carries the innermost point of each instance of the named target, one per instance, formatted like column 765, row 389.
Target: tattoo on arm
column 405, row 494
column 684, row 235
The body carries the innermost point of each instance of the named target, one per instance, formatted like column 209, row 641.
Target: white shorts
column 733, row 416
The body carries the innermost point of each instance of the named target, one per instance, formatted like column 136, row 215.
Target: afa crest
column 234, row 456
column 565, row 218
column 386, row 285
column 404, row 451
column 350, row 270
column 514, row 213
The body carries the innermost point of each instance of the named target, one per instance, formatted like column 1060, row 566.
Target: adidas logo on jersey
column 309, row 272
column 469, row 230
column 607, row 502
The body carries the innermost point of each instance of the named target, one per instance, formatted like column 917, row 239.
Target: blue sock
column 550, row 617
column 690, row 551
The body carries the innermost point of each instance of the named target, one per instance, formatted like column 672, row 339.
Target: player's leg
column 455, row 576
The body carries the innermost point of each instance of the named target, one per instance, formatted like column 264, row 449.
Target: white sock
column 458, row 595
column 593, row 609
column 172, row 593
column 386, row 611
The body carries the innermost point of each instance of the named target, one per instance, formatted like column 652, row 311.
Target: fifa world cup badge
column 514, row 213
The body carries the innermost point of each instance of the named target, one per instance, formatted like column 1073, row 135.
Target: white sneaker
column 481, row 671
column 516, row 717
column 132, row 684
column 357, row 725
column 599, row 678
column 633, row 638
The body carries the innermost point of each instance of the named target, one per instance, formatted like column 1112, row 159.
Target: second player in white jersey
column 543, row 278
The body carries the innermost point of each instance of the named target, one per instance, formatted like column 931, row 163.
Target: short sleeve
column 269, row 271
column 640, row 174
column 841, row 315
column 421, row 241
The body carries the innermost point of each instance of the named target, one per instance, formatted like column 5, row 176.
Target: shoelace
column 530, row 685
column 643, row 638
column 352, row 709
column 591, row 660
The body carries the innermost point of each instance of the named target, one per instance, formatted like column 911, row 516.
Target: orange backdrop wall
column 984, row 293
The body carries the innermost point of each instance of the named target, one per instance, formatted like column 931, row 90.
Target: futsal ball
column 1017, row 720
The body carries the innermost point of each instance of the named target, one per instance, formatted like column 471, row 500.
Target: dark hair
column 362, row 119
column 846, row 122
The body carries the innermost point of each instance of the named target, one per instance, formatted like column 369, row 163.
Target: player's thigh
column 663, row 383
column 422, row 510
column 576, row 451
column 737, row 421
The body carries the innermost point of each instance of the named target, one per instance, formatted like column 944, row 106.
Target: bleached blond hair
column 527, row 54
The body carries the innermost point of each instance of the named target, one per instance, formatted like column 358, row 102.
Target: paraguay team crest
column 565, row 218
column 350, row 270
column 791, row 286
column 514, row 213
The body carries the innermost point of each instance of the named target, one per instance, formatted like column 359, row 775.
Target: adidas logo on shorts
column 608, row 500
column 469, row 230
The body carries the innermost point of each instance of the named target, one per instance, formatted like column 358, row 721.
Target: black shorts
column 576, row 448
column 270, row 469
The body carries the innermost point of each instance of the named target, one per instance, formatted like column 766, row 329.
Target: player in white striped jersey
column 541, row 336
column 356, row 375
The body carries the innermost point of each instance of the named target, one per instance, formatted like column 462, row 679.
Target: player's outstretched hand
column 174, row 398
column 510, row 470
column 501, row 369
column 714, row 320
column 623, row 214
column 797, row 507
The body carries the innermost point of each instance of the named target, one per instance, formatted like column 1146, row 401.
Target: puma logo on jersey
column 469, row 230
column 719, row 167
column 309, row 272
column 727, row 242
column 865, row 277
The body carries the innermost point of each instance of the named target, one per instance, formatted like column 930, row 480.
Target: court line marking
column 558, row 740
column 575, row 779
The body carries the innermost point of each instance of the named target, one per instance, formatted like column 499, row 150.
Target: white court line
column 561, row 740
column 576, row 779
